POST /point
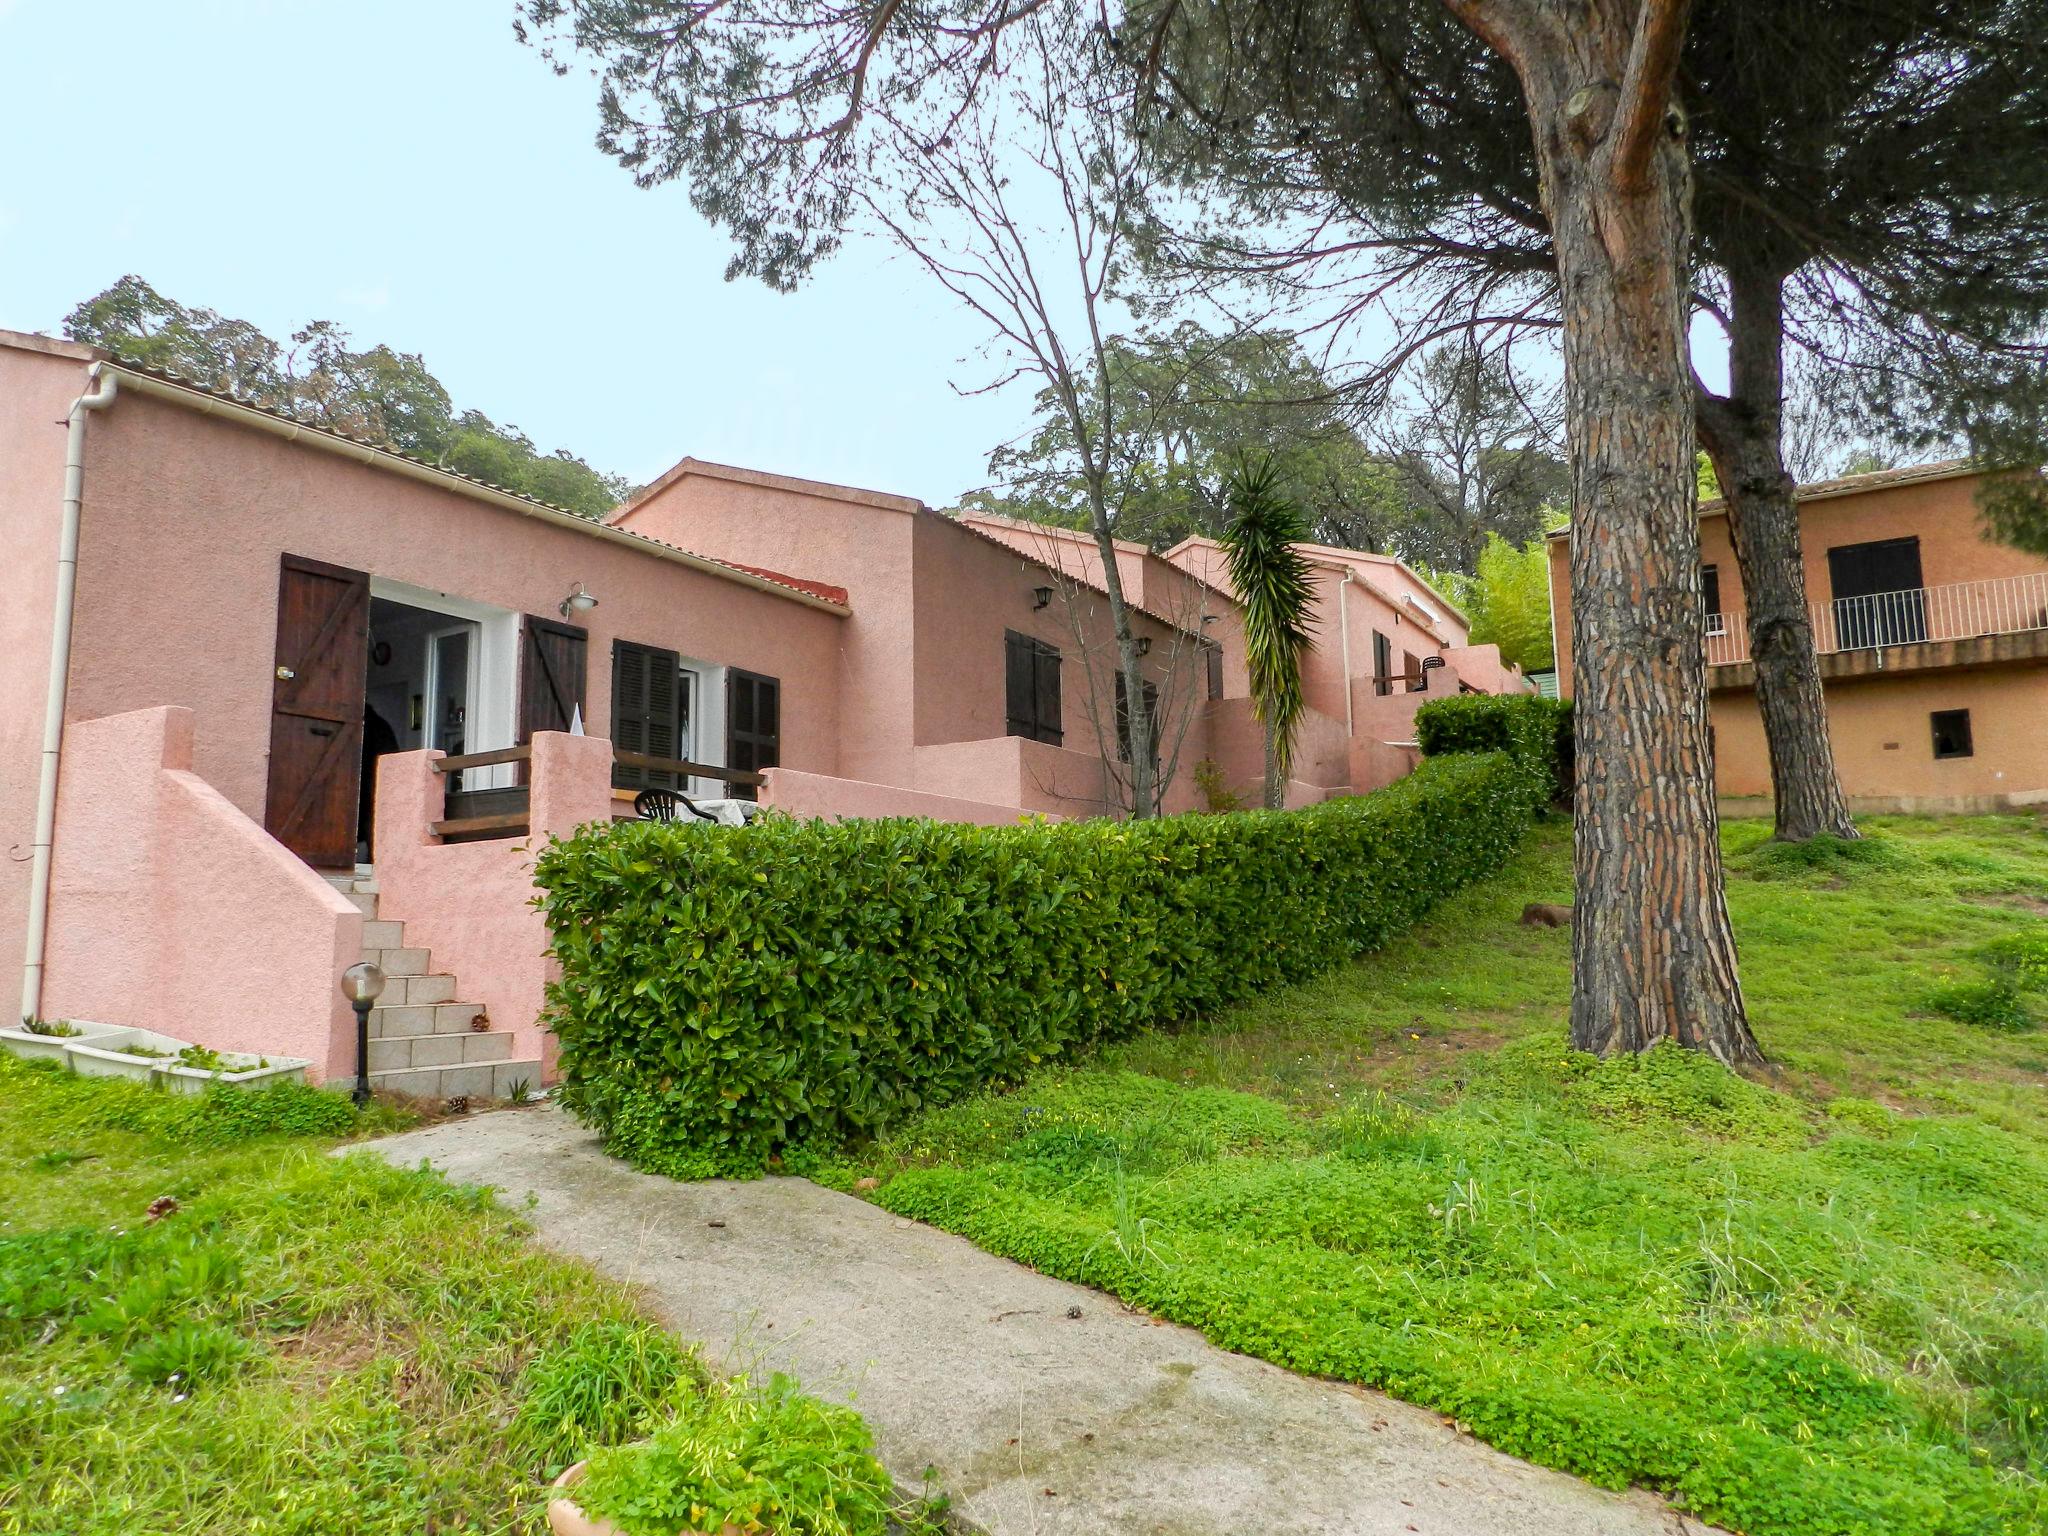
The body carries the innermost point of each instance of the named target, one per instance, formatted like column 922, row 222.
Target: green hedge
column 727, row 995
column 1534, row 729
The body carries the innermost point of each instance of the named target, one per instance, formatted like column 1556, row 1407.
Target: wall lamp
column 1041, row 597
column 577, row 603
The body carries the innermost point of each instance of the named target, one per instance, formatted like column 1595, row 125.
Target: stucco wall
column 186, row 518
column 860, row 542
column 1884, row 740
column 468, row 903
column 36, row 391
column 171, row 910
column 815, row 795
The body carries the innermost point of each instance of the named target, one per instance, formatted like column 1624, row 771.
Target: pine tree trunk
column 1653, row 955
column 1745, row 437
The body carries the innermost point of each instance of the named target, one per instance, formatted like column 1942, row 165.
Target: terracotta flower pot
column 566, row 1517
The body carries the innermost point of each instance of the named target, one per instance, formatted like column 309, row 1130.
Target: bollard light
column 362, row 984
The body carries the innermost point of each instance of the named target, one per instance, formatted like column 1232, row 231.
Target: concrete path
column 1047, row 1409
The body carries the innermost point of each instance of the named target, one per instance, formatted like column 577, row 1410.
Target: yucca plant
column 1272, row 582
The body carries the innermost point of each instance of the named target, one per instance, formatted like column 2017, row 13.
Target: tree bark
column 1744, row 436
column 1653, row 955
column 1275, row 789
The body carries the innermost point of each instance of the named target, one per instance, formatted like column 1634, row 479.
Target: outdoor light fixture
column 362, row 984
column 1142, row 645
column 1041, row 597
column 577, row 603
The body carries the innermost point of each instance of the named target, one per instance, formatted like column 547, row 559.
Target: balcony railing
column 1963, row 610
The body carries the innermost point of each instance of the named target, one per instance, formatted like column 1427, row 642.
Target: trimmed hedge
column 1536, row 730
column 728, row 995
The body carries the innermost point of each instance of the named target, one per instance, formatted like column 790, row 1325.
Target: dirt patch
column 2012, row 899
column 336, row 1346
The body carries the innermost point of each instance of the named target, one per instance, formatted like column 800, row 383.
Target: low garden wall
column 728, row 996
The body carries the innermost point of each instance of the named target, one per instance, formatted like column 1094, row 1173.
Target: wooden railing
column 506, row 812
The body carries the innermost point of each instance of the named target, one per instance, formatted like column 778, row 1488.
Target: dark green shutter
column 645, row 684
column 753, row 726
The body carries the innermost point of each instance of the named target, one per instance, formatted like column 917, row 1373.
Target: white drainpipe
column 1344, row 628
column 101, row 396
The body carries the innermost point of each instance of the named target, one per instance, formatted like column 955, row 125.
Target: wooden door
column 316, row 710
column 553, row 662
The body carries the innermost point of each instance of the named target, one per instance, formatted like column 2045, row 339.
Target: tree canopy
column 376, row 393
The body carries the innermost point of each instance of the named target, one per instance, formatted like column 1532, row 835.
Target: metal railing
column 1962, row 610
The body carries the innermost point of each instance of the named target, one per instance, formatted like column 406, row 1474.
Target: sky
column 407, row 169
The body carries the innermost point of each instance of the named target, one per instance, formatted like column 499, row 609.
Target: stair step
column 388, row 1022
column 391, row 1053
column 398, row 962
column 476, row 1080
column 383, row 934
column 400, row 991
column 362, row 883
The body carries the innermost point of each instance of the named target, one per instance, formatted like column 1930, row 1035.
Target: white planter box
column 34, row 1047
column 244, row 1071
column 107, row 1056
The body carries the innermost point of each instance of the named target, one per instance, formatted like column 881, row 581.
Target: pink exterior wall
column 172, row 612
column 814, row 795
column 469, row 903
column 38, row 388
column 860, row 540
column 171, row 910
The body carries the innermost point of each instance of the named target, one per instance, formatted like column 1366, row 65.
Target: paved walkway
column 1047, row 1409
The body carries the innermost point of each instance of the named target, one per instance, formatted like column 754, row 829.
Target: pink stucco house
column 273, row 699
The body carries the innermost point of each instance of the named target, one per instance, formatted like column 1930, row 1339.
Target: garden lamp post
column 362, row 984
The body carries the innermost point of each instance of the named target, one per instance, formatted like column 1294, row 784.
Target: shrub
column 1993, row 1004
column 1536, row 730
column 746, row 1459
column 728, row 995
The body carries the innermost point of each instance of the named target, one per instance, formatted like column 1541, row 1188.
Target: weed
column 602, row 1385
column 1993, row 1004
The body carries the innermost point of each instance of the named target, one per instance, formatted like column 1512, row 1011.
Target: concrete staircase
column 423, row 1042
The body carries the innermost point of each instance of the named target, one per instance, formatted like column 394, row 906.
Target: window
column 753, row 726
column 1123, row 720
column 1878, row 596
column 1382, row 664
column 646, row 713
column 1213, row 656
column 1031, row 688
column 1952, row 733
column 1710, row 597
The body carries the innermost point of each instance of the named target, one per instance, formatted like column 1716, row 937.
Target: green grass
column 297, row 1344
column 1810, row 1302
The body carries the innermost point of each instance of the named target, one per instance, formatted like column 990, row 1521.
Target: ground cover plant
column 727, row 999
column 1807, row 1303
column 210, row 1325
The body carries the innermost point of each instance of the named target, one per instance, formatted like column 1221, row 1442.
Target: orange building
column 1933, row 643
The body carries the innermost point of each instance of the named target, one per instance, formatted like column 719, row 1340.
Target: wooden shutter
column 1213, row 658
column 645, row 718
column 553, row 660
column 312, row 802
column 1123, row 719
column 1382, row 664
column 1031, row 688
column 753, row 725
column 1020, row 687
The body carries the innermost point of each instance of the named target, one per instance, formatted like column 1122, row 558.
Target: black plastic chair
column 655, row 804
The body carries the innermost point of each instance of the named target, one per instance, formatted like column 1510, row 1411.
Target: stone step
column 400, row 991
column 361, row 883
column 398, row 962
column 389, row 1021
column 365, row 902
column 383, row 934
column 391, row 1053
column 475, row 1080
